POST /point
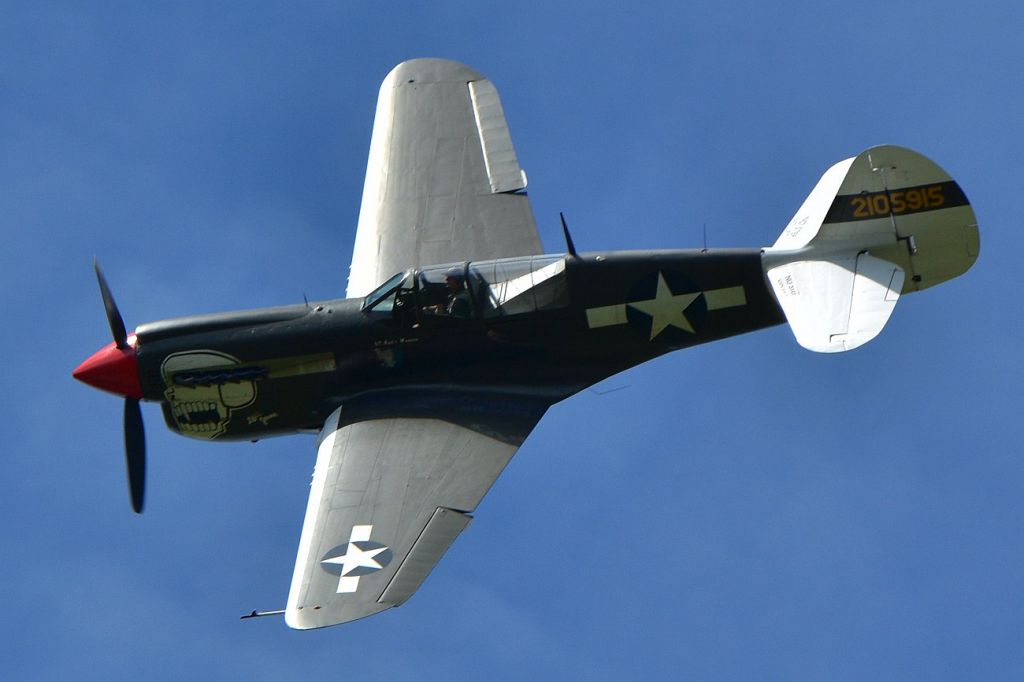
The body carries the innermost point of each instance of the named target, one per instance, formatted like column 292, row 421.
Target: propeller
column 134, row 432
column 135, row 452
column 113, row 314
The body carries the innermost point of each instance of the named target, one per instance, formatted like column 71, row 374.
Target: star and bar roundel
column 665, row 305
column 358, row 557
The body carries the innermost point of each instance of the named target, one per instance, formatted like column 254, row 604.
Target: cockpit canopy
column 481, row 289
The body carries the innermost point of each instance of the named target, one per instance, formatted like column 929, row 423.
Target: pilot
column 458, row 304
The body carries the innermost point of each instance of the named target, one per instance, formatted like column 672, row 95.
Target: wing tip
column 312, row 618
column 431, row 70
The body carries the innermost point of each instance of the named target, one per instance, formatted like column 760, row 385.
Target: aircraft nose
column 112, row 369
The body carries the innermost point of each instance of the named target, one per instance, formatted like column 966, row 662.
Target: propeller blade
column 135, row 452
column 113, row 315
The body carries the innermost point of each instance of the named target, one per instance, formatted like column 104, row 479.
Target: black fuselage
column 252, row 374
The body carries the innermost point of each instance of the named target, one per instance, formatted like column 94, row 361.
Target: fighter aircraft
column 457, row 333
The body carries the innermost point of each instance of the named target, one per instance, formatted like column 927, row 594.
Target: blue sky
column 744, row 510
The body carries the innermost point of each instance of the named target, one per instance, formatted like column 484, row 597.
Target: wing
column 388, row 498
column 442, row 182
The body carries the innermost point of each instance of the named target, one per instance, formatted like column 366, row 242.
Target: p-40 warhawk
column 446, row 352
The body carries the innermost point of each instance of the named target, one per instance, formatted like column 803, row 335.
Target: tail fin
column 884, row 223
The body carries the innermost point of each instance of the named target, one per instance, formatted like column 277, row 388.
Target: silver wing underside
column 443, row 183
column 387, row 499
column 390, row 493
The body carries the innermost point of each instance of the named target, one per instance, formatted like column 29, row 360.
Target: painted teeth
column 198, row 416
column 198, row 428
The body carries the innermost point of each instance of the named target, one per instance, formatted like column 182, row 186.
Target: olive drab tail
column 884, row 223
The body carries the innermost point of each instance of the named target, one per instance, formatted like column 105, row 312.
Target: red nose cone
column 112, row 369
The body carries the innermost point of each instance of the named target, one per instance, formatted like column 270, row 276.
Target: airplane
column 457, row 332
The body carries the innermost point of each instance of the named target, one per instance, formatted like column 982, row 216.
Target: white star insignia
column 355, row 557
column 667, row 309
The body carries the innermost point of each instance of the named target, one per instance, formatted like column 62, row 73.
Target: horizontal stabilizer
column 837, row 304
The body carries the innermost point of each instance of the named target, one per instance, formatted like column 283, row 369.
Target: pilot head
column 454, row 279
